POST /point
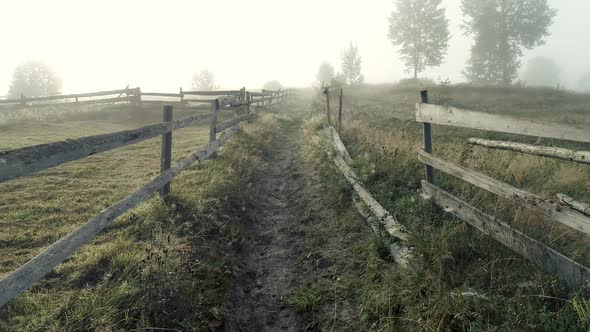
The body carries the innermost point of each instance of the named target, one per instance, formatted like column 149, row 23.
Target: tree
column 542, row 71
column 351, row 65
column 502, row 30
column 34, row 79
column 326, row 73
column 421, row 30
column 272, row 85
column 204, row 81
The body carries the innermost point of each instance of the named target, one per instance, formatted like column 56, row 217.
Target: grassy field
column 459, row 280
column 158, row 265
column 170, row 266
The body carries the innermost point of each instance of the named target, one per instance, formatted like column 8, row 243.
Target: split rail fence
column 28, row 160
column 569, row 212
column 137, row 97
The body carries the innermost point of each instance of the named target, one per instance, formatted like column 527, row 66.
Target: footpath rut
column 268, row 266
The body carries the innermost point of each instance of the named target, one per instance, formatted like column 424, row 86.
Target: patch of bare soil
column 268, row 267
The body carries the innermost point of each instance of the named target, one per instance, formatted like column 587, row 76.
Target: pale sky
column 157, row 45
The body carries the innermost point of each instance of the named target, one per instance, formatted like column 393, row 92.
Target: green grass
column 458, row 278
column 166, row 266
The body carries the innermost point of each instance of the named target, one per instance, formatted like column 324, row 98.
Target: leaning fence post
column 166, row 160
column 427, row 139
column 328, row 115
column 213, row 128
column 340, row 111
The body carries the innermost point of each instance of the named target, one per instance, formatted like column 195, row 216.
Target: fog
column 159, row 45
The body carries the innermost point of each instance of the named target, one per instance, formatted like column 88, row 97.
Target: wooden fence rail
column 582, row 157
column 551, row 261
column 69, row 96
column 31, row 159
column 25, row 161
column 134, row 95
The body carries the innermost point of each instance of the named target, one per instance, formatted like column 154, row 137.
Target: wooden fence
column 28, row 160
column 327, row 94
column 136, row 96
column 387, row 228
column 569, row 213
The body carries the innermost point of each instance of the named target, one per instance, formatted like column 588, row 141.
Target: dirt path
column 268, row 266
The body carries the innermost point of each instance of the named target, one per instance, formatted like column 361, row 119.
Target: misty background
column 159, row 46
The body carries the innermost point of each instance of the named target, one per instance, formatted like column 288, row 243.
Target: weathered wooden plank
column 262, row 100
column 212, row 93
column 457, row 117
column 232, row 122
column 573, row 273
column 578, row 206
column 213, row 124
column 87, row 102
column 338, row 145
column 69, row 96
column 399, row 252
column 564, row 214
column 161, row 94
column 392, row 226
column 166, row 155
column 22, row 278
column 544, row 151
column 204, row 101
column 427, row 139
column 31, row 159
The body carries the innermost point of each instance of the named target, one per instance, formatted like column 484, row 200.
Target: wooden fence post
column 213, row 129
column 328, row 115
column 181, row 95
column 166, row 160
column 248, row 100
column 22, row 100
column 340, row 111
column 427, row 128
column 138, row 96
